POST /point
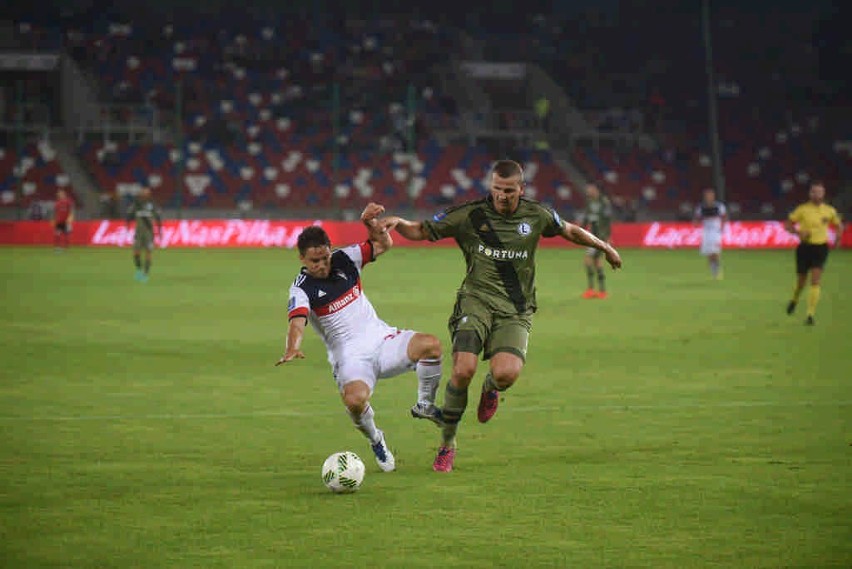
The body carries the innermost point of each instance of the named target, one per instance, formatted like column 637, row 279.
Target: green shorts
column 143, row 240
column 475, row 328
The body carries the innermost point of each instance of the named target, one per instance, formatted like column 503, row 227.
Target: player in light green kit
column 144, row 213
column 494, row 306
column 597, row 218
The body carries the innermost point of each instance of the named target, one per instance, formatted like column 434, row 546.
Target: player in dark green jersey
column 597, row 218
column 495, row 303
column 144, row 213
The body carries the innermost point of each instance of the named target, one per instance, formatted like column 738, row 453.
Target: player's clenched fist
column 371, row 212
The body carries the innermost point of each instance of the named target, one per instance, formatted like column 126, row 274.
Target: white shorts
column 389, row 359
column 711, row 244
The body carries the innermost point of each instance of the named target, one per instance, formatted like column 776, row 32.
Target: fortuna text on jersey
column 503, row 253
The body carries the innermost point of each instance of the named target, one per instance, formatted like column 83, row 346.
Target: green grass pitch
column 682, row 422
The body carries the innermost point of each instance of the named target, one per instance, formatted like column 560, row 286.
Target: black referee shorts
column 61, row 227
column 810, row 256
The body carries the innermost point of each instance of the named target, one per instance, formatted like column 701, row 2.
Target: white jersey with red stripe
column 337, row 307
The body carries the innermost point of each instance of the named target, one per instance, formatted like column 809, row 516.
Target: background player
column 63, row 220
column 145, row 214
column 597, row 218
column 361, row 347
column 712, row 215
column 810, row 221
column 495, row 303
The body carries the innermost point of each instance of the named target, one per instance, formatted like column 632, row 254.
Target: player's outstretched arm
column 412, row 230
column 294, row 340
column 839, row 238
column 578, row 235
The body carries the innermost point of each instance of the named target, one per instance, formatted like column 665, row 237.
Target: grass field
column 681, row 423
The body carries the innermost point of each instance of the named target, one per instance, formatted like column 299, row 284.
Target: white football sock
column 366, row 423
column 428, row 379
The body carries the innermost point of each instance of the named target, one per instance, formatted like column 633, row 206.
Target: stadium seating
column 41, row 175
column 294, row 176
column 776, row 121
column 257, row 134
column 261, row 132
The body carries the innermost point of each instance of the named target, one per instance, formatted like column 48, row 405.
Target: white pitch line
column 530, row 409
column 683, row 405
column 161, row 416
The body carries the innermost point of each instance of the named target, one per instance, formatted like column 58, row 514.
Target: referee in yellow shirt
column 810, row 221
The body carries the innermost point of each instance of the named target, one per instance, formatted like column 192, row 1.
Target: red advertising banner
column 264, row 233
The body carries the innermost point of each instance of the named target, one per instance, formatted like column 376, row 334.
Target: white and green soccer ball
column 343, row 472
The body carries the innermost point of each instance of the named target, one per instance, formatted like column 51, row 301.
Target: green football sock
column 489, row 385
column 590, row 277
column 455, row 402
column 147, row 265
column 137, row 260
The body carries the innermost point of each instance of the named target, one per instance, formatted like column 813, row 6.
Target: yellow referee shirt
column 814, row 220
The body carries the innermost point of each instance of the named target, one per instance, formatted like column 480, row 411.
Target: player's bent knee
column 464, row 371
column 355, row 403
column 426, row 346
column 505, row 369
column 355, row 396
column 504, row 377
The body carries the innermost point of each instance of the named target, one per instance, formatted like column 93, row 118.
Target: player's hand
column 371, row 212
column 289, row 356
column 804, row 234
column 612, row 257
column 389, row 222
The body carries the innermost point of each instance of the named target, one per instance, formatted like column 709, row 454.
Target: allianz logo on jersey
column 344, row 300
column 503, row 253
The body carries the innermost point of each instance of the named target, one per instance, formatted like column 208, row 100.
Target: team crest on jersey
column 524, row 228
column 439, row 216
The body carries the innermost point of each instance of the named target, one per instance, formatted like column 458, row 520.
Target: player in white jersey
column 361, row 347
column 712, row 215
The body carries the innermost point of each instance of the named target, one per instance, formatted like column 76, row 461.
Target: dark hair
column 507, row 169
column 313, row 236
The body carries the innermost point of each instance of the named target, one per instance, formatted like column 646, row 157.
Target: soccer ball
column 343, row 472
